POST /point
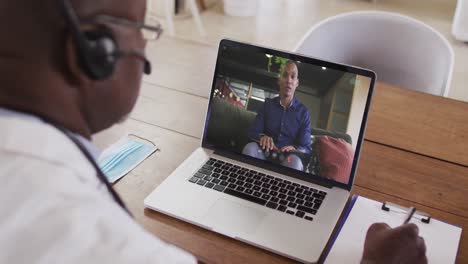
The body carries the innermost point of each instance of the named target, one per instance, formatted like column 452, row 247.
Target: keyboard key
column 216, row 175
column 296, row 184
column 275, row 199
column 232, row 180
column 259, row 183
column 282, row 196
column 318, row 196
column 261, row 174
column 199, row 175
column 232, row 186
column 265, row 180
column 249, row 180
column 266, row 185
column 283, row 202
column 208, row 167
column 272, row 205
column 308, row 204
column 201, row 182
column 240, row 189
column 265, row 190
column 219, row 188
column 322, row 193
column 287, row 182
column 218, row 170
column 307, row 210
column 281, row 185
column 291, row 193
column 224, row 183
column 307, row 193
column 209, row 185
column 316, row 206
column 300, row 201
column 270, row 177
column 208, row 178
column 275, row 182
column 223, row 178
column 204, row 171
column 291, row 199
column 290, row 212
column 300, row 214
column 193, row 179
column 283, row 190
column 257, row 188
column 273, row 193
column 266, row 197
column 245, row 196
column 248, row 185
column 282, row 208
column 300, row 196
column 249, row 191
column 290, row 187
column 292, row 205
column 275, row 188
column 216, row 181
column 258, row 194
column 308, row 218
column 299, row 190
column 240, row 183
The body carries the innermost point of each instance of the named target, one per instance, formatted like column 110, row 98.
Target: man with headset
column 69, row 69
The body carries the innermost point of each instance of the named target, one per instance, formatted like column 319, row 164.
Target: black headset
column 97, row 50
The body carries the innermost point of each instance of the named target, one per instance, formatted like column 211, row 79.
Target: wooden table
column 415, row 153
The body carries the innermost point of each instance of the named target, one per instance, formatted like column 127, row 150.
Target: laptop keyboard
column 272, row 192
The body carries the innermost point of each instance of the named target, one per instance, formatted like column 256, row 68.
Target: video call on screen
column 299, row 115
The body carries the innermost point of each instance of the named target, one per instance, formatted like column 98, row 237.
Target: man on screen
column 281, row 130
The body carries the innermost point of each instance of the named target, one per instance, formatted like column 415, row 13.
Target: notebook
column 441, row 239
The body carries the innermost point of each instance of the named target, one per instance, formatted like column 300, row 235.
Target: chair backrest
column 401, row 50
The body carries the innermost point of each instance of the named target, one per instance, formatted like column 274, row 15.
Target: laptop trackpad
column 233, row 219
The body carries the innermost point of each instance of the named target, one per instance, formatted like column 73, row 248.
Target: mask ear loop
column 144, row 139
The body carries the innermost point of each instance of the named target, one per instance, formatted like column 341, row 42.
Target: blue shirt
column 287, row 127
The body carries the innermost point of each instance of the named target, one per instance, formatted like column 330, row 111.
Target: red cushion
column 335, row 157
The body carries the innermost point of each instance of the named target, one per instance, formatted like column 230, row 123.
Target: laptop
column 279, row 151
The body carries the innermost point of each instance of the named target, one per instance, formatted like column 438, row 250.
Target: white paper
column 441, row 239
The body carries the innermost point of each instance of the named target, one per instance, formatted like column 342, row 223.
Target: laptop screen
column 286, row 111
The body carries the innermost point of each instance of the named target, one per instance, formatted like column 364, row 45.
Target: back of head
column 40, row 69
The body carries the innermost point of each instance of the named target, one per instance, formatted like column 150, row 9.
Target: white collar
column 90, row 147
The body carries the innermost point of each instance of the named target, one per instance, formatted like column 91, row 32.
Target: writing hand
column 394, row 245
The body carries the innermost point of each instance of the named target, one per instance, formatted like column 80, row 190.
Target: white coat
column 53, row 208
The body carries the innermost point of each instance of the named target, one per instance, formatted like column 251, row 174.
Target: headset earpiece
column 99, row 57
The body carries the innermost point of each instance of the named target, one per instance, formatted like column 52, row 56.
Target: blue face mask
column 123, row 156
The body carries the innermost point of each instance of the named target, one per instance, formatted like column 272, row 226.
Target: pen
column 411, row 212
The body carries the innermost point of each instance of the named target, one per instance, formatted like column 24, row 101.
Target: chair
column 402, row 51
column 168, row 9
